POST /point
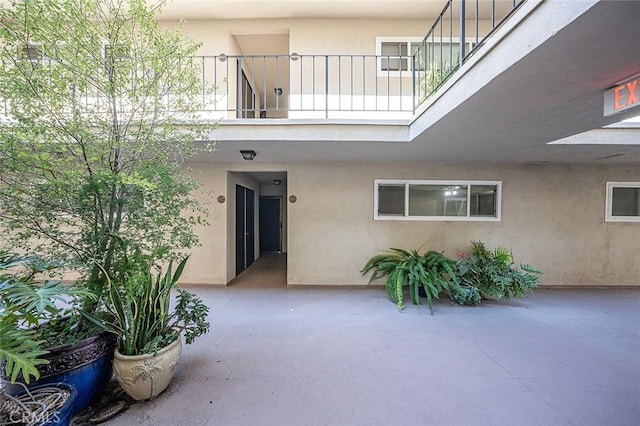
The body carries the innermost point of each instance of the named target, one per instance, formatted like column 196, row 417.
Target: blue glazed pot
column 61, row 417
column 87, row 366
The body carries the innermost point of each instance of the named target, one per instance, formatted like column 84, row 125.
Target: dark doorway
column 270, row 224
column 245, row 232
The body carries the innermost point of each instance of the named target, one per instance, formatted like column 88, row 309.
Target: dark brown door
column 245, row 229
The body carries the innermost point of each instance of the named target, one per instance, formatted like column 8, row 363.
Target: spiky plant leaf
column 503, row 255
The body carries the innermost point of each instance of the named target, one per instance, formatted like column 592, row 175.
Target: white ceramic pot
column 146, row 376
column 488, row 296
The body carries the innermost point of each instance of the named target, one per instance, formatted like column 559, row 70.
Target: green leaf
column 20, row 352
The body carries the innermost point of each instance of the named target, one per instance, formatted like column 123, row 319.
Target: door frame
column 280, row 199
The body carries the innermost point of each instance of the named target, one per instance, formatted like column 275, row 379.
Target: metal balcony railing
column 340, row 86
column 458, row 32
column 306, row 86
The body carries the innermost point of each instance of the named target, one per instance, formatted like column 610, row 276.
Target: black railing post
column 462, row 31
column 326, row 86
column 413, row 83
column 239, row 87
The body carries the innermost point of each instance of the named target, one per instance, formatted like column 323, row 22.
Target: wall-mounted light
column 294, row 56
column 248, row 154
column 278, row 91
column 277, row 181
column 222, row 57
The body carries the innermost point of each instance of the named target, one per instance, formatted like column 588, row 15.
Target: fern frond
column 374, row 262
column 399, row 283
column 530, row 269
column 402, row 254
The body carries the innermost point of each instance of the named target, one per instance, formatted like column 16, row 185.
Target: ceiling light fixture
column 248, row 155
column 277, row 181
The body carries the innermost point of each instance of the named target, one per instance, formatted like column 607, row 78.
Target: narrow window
column 623, row 202
column 437, row 200
column 391, row 200
column 394, row 56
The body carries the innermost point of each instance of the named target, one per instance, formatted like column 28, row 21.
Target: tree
column 101, row 107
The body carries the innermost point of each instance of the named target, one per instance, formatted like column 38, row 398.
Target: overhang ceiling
column 300, row 9
column 508, row 106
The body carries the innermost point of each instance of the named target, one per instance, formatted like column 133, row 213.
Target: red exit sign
column 622, row 97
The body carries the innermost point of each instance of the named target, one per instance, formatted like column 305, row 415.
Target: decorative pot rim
column 80, row 343
column 62, row 385
column 118, row 355
column 69, row 357
column 67, row 404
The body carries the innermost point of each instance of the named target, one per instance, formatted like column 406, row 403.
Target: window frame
column 409, row 41
column 393, row 73
column 608, row 214
column 468, row 183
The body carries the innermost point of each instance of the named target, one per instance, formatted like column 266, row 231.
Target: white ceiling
column 272, row 9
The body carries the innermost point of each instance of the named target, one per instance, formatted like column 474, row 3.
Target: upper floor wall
column 308, row 36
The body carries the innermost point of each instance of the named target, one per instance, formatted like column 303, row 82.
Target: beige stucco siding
column 207, row 263
column 552, row 218
column 312, row 36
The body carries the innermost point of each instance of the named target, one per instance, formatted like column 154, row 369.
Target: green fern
column 431, row 271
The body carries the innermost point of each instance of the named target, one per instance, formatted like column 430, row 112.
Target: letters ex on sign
column 622, row 97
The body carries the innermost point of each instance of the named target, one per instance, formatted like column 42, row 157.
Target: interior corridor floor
column 270, row 270
column 347, row 357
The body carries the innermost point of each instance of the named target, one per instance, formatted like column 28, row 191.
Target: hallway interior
column 270, row 270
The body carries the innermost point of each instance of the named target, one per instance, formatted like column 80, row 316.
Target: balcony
column 308, row 86
column 382, row 86
column 385, row 86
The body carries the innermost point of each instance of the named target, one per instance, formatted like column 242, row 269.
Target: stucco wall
column 312, row 36
column 208, row 263
column 306, row 36
column 552, row 218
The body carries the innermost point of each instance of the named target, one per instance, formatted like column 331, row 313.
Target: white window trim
column 609, row 217
column 407, row 39
column 404, row 73
column 407, row 182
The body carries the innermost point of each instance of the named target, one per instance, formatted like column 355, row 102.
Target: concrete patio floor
column 332, row 356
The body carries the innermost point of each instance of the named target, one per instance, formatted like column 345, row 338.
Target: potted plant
column 149, row 333
column 93, row 144
column 33, row 304
column 495, row 273
column 431, row 272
